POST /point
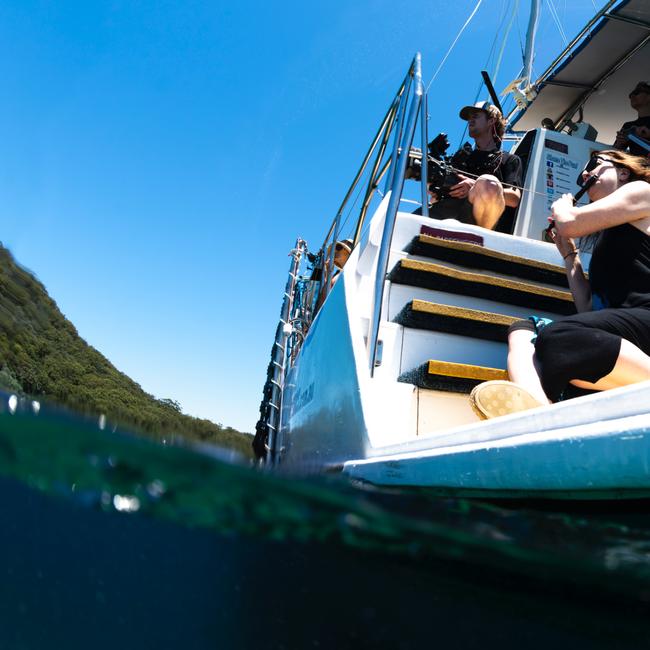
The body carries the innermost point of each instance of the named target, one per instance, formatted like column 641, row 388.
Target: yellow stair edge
column 488, row 252
column 466, row 371
column 462, row 312
column 479, row 278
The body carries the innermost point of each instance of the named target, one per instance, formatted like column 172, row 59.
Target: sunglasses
column 639, row 91
column 594, row 161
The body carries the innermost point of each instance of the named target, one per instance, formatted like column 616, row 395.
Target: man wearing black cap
column 488, row 191
column 640, row 102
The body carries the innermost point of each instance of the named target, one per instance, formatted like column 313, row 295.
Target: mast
column 529, row 52
column 522, row 88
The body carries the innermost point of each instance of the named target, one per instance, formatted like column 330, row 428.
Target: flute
column 591, row 179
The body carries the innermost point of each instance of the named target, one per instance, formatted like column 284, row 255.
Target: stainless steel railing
column 396, row 188
column 400, row 122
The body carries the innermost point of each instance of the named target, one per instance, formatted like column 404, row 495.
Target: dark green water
column 110, row 540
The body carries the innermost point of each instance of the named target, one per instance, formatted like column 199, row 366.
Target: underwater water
column 111, row 540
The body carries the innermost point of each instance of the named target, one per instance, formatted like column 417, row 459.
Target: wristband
column 573, row 252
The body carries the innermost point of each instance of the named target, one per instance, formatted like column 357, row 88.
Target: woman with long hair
column 607, row 344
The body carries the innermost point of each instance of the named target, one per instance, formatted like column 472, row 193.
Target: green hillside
column 41, row 354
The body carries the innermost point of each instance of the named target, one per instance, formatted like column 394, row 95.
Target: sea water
column 111, row 540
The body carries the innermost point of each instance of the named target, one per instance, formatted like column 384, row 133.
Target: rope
column 462, row 29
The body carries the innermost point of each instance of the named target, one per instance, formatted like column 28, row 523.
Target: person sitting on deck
column 488, row 191
column 342, row 251
column 607, row 344
column 640, row 102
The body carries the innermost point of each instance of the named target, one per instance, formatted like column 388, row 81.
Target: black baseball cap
column 641, row 87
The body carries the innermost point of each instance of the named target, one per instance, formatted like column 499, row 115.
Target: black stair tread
column 455, row 320
column 439, row 277
column 451, row 377
column 476, row 256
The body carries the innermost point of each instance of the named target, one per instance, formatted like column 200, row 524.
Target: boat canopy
column 596, row 74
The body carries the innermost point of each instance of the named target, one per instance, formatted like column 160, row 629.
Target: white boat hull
column 611, row 456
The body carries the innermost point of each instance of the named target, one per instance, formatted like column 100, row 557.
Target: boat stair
column 453, row 298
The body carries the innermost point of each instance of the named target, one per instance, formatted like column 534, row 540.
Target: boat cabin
column 582, row 100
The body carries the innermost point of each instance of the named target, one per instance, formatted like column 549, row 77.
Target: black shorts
column 586, row 346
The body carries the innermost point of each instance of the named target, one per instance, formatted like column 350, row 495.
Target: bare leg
column 632, row 366
column 522, row 364
column 488, row 202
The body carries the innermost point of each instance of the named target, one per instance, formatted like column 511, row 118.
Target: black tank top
column 619, row 272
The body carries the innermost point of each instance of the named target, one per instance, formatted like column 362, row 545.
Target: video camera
column 440, row 172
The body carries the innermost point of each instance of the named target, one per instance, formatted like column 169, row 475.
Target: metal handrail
column 424, row 171
column 333, row 232
column 366, row 202
column 293, row 327
column 334, row 229
column 397, row 185
column 401, row 110
column 375, row 176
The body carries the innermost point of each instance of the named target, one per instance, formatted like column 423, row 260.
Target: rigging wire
column 515, row 17
column 556, row 20
column 505, row 10
column 462, row 29
column 521, row 43
column 505, row 40
column 347, row 216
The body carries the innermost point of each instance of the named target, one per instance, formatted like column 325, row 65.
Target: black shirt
column 619, row 271
column 505, row 166
column 632, row 147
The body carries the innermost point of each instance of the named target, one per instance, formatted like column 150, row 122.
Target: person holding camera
column 488, row 179
column 607, row 343
column 640, row 102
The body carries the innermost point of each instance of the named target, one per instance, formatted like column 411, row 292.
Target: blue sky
column 160, row 158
